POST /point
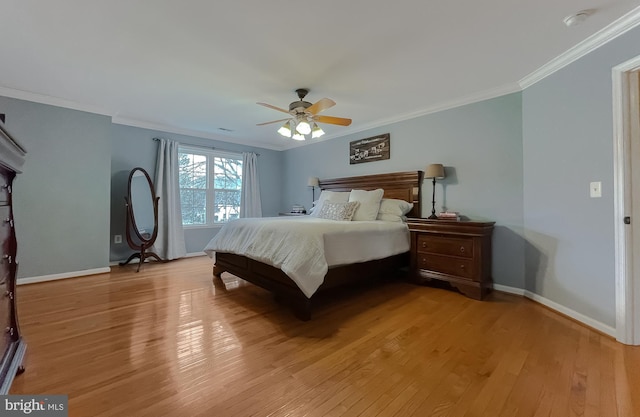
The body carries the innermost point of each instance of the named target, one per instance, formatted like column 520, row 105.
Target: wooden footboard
column 287, row 291
column 398, row 185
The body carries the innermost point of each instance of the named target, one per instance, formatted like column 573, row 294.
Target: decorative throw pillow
column 337, row 211
column 369, row 203
column 333, row 196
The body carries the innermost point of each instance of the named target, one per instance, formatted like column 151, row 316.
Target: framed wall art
column 375, row 148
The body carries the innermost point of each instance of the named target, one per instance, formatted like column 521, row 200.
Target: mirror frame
column 154, row 202
column 145, row 243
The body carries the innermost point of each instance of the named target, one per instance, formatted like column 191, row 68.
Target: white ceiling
column 199, row 66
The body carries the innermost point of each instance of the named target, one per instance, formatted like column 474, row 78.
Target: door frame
column 626, row 156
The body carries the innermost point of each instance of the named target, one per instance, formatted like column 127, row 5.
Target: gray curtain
column 170, row 241
column 250, row 204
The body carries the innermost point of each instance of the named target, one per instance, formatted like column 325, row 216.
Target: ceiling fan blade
column 333, row 120
column 273, row 121
column 274, row 107
column 320, row 105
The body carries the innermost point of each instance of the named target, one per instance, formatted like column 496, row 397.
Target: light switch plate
column 595, row 189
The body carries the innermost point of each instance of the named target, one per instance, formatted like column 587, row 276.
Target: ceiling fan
column 303, row 114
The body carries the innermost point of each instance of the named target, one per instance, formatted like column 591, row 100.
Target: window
column 210, row 186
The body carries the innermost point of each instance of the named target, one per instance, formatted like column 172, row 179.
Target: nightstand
column 458, row 252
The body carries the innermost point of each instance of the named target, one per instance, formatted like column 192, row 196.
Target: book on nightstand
column 449, row 215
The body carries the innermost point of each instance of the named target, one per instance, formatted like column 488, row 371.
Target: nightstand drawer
column 445, row 245
column 6, row 226
column 4, row 190
column 447, row 265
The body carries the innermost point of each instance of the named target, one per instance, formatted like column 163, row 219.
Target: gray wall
column 481, row 147
column 568, row 142
column 134, row 147
column 69, row 201
column 62, row 197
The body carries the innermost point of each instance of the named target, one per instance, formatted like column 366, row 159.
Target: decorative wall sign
column 375, row 148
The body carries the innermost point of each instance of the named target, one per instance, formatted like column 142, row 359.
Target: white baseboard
column 510, row 290
column 608, row 330
column 53, row 277
column 76, row 274
column 588, row 321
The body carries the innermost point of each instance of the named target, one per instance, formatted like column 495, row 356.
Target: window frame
column 209, row 153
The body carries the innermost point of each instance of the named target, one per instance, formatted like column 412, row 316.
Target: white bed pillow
column 333, row 196
column 369, row 203
column 393, row 210
column 395, row 206
column 338, row 211
column 391, row 218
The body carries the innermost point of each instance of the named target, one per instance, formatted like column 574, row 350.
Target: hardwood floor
column 168, row 341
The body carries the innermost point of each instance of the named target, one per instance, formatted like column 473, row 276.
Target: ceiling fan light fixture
column 303, row 127
column 302, row 115
column 316, row 132
column 285, row 130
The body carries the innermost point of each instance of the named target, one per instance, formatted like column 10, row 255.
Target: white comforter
column 305, row 247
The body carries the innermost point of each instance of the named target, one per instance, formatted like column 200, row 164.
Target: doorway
column 626, row 163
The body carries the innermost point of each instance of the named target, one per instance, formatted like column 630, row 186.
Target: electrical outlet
column 117, row 239
column 595, row 189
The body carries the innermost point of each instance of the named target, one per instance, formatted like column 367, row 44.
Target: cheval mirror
column 142, row 216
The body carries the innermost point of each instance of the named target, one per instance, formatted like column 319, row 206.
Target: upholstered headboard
column 401, row 185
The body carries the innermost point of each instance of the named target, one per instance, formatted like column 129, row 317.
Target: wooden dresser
column 12, row 347
column 458, row 252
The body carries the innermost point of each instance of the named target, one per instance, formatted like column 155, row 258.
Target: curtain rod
column 208, row 147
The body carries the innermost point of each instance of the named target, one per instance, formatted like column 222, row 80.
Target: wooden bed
column 400, row 185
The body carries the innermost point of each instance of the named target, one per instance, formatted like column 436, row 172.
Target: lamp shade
column 316, row 132
column 285, row 130
column 435, row 171
column 303, row 127
column 298, row 136
column 313, row 182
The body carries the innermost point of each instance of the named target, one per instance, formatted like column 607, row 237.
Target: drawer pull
column 462, row 249
column 6, row 187
column 9, row 331
column 462, row 266
column 424, row 244
column 9, row 220
column 424, row 260
column 9, row 294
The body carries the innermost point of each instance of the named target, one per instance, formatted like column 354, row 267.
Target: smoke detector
column 577, row 18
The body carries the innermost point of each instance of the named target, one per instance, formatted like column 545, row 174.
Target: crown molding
column 447, row 105
column 477, row 97
column 593, row 42
column 118, row 120
column 52, row 101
